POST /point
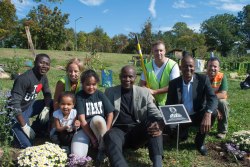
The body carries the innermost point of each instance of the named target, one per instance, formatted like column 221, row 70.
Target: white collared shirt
column 187, row 96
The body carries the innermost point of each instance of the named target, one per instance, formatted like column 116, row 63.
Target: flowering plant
column 48, row 154
column 242, row 139
column 75, row 161
column 5, row 136
column 239, row 145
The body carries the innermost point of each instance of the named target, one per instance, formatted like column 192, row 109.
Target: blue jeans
column 20, row 137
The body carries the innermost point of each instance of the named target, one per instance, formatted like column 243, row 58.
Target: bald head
column 127, row 76
column 186, row 57
column 128, row 67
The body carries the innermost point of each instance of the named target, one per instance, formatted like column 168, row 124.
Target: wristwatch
column 209, row 111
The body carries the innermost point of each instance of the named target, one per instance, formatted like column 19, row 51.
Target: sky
column 123, row 16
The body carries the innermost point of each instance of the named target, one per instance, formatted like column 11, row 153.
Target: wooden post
column 27, row 29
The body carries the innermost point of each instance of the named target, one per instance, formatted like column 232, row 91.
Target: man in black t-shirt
column 23, row 103
column 137, row 122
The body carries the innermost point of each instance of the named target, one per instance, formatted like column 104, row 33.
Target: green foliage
column 82, row 41
column 47, row 27
column 244, row 20
column 221, row 32
column 8, row 18
column 54, row 1
column 98, row 41
column 14, row 65
column 146, row 37
column 181, row 29
column 225, row 33
column 93, row 61
column 240, row 64
column 184, row 38
column 5, row 137
column 119, row 43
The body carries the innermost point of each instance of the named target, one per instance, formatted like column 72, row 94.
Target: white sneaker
column 221, row 135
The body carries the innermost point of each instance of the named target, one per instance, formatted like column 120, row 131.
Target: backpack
column 246, row 83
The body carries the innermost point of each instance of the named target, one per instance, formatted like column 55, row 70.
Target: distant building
column 175, row 53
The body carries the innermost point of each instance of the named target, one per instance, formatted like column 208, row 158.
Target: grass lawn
column 187, row 155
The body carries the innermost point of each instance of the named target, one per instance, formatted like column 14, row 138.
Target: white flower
column 242, row 139
column 47, row 154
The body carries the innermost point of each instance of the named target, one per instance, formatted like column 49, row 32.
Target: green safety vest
column 164, row 81
column 66, row 82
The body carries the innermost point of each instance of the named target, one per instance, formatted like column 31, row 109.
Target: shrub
column 14, row 65
column 5, row 137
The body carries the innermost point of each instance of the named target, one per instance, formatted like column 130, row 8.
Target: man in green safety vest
column 159, row 72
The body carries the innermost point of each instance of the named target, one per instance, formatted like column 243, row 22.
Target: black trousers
column 196, row 122
column 117, row 139
column 65, row 137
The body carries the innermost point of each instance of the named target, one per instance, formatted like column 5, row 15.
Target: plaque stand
column 177, row 143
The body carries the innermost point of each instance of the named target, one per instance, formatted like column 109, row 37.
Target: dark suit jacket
column 204, row 97
column 144, row 106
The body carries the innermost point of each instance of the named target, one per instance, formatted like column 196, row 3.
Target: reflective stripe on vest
column 164, row 81
column 67, row 86
column 216, row 82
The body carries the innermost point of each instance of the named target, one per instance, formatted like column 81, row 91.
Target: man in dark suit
column 137, row 121
column 195, row 92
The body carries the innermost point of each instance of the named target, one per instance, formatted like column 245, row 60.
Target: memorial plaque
column 175, row 114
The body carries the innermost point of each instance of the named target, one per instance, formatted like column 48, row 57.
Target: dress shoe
column 221, row 135
column 183, row 135
column 203, row 150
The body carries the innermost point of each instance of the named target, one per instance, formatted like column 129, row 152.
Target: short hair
column 76, row 61
column 41, row 55
column 186, row 56
column 67, row 94
column 214, row 58
column 89, row 73
column 186, row 53
column 158, row 42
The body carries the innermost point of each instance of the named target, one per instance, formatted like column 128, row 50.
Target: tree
column 119, row 43
column 70, row 40
column 169, row 40
column 146, row 37
column 7, row 18
column 17, row 37
column 181, row 29
column 54, row 1
column 47, row 27
column 99, row 41
column 182, row 37
column 131, row 47
column 244, row 20
column 221, row 32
